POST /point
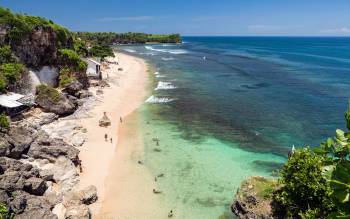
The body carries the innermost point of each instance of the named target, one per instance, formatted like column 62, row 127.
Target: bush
column 6, row 55
column 22, row 25
column 69, row 58
column 65, row 78
column 305, row 191
column 10, row 74
column 81, row 48
column 4, row 121
column 101, row 51
column 47, row 92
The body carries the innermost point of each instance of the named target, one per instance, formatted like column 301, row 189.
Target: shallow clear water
column 225, row 108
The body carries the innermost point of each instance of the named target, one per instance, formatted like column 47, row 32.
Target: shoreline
column 126, row 93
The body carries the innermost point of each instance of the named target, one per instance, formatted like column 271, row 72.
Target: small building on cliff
column 94, row 68
column 12, row 103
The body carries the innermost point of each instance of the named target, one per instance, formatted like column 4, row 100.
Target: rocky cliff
column 253, row 199
column 36, row 42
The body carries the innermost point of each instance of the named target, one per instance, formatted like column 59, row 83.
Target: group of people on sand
column 106, row 135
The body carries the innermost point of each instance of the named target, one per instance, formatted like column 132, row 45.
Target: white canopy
column 10, row 100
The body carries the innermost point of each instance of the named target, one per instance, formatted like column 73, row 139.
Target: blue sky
column 196, row 17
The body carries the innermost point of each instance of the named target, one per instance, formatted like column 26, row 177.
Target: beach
column 101, row 158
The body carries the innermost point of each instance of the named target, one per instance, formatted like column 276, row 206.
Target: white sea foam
column 165, row 86
column 167, row 58
column 160, row 76
column 172, row 51
column 153, row 99
column 130, row 50
column 147, row 53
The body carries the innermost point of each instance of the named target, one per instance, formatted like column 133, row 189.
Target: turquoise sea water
column 226, row 108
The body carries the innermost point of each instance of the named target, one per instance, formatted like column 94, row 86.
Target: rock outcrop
column 253, row 199
column 50, row 149
column 61, row 106
column 73, row 88
column 40, row 47
column 76, row 203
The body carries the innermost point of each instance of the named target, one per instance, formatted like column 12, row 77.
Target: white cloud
column 134, row 18
column 342, row 30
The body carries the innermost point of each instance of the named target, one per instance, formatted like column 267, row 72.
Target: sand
column 108, row 165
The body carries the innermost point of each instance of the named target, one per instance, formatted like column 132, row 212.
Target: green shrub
column 69, row 58
column 80, row 47
column 101, row 51
column 4, row 121
column 22, row 25
column 6, row 55
column 47, row 92
column 305, row 191
column 65, row 78
column 12, row 72
column 3, row 84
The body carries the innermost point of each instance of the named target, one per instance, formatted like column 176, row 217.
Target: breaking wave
column 153, row 99
column 130, row 50
column 172, row 51
column 165, row 86
column 167, row 58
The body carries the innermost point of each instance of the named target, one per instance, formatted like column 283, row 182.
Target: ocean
column 226, row 108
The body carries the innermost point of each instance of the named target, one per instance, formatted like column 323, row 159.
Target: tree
column 101, row 51
column 6, row 55
column 305, row 192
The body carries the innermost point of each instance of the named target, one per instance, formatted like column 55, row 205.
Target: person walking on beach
column 106, row 137
column 121, row 120
column 111, row 140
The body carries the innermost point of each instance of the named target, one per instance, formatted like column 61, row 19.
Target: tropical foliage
column 6, row 55
column 46, row 92
column 10, row 74
column 4, row 124
column 316, row 183
column 69, row 58
column 20, row 25
column 108, row 38
column 101, row 51
column 305, row 191
column 65, row 77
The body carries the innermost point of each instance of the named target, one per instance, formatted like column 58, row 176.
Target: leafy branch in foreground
column 316, row 183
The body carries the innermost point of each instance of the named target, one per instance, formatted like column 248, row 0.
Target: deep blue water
column 266, row 93
column 226, row 108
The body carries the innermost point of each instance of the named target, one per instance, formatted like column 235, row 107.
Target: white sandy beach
column 126, row 93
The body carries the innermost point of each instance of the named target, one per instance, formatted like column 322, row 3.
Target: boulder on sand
column 50, row 100
column 104, row 121
column 73, row 88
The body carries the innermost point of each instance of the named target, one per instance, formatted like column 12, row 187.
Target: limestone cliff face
column 39, row 48
column 253, row 199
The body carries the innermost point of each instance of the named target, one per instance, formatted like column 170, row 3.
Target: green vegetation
column 10, row 74
column 80, row 47
column 305, row 191
column 109, row 38
column 6, row 55
column 65, row 77
column 101, row 51
column 69, row 58
column 47, row 93
column 21, row 25
column 316, row 183
column 4, row 124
